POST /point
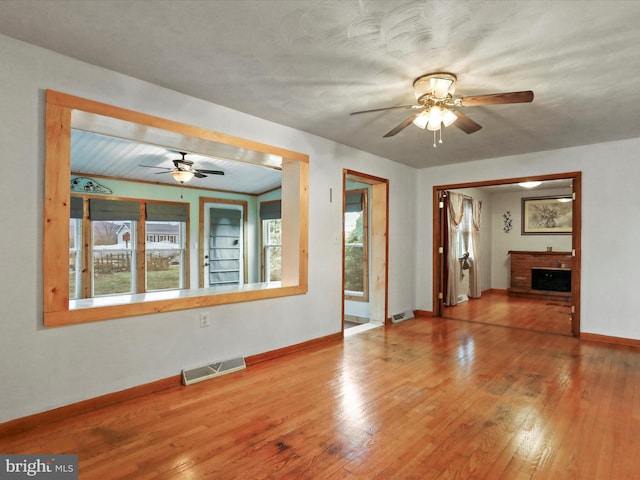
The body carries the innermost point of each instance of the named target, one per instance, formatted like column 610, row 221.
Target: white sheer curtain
column 455, row 211
column 475, row 290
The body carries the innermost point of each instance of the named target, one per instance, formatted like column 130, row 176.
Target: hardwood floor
column 421, row 399
column 551, row 316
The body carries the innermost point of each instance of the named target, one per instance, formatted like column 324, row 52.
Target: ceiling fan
column 183, row 170
column 436, row 106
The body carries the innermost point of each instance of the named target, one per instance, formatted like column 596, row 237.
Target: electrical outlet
column 205, row 320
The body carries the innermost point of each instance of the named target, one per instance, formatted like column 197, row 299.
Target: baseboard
column 423, row 313
column 496, row 291
column 43, row 418
column 280, row 352
column 594, row 337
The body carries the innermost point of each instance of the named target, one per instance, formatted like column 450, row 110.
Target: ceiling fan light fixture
column 182, row 176
column 532, row 184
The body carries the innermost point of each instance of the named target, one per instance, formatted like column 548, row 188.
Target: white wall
column 46, row 368
column 514, row 240
column 610, row 199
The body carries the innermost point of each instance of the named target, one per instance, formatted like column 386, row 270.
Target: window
column 75, row 257
column 117, row 263
column 165, row 255
column 114, row 256
column 270, row 219
column 464, row 229
column 356, row 264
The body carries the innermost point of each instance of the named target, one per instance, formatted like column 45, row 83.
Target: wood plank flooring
column 551, row 316
column 421, row 399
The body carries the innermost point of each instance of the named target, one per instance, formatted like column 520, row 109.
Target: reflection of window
column 117, row 262
column 356, row 264
column 270, row 219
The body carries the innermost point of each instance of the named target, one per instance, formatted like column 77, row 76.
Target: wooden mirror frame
column 55, row 261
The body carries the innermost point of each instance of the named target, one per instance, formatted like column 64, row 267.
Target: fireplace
column 551, row 279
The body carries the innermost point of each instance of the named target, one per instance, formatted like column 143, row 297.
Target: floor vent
column 200, row 374
column 399, row 317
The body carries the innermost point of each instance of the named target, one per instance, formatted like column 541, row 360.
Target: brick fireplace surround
column 522, row 263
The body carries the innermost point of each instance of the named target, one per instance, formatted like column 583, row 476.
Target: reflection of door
column 223, row 260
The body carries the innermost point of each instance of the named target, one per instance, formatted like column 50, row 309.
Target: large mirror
column 145, row 215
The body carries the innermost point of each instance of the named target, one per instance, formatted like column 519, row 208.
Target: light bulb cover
column 435, row 118
column 434, row 85
column 182, row 176
column 448, row 117
column 421, row 120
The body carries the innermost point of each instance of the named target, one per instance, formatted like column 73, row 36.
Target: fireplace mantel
column 522, row 262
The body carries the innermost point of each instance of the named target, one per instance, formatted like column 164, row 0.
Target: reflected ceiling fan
column 436, row 107
column 183, row 170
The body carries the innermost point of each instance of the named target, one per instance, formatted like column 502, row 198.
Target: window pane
column 354, row 264
column 74, row 258
column 273, row 263
column 272, row 235
column 113, row 259
column 165, row 252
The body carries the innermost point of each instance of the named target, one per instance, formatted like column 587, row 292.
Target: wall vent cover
column 200, row 374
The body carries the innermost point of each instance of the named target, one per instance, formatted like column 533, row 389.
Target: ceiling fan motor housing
column 434, row 86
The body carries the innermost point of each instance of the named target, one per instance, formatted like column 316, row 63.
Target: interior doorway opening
column 364, row 251
column 505, row 300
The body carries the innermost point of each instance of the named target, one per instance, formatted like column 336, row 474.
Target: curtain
column 455, row 211
column 475, row 290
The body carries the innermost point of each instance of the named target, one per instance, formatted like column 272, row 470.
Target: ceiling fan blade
column 197, row 174
column 465, row 124
column 401, row 126
column 153, row 166
column 210, row 172
column 386, row 108
column 497, row 98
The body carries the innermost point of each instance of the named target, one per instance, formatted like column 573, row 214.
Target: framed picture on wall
column 547, row 215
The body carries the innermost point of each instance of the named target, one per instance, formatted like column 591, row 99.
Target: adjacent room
column 313, row 239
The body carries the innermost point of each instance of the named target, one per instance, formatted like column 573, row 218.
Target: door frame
column 438, row 240
column 378, row 243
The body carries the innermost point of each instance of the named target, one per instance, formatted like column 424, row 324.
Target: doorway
column 511, row 299
column 364, row 251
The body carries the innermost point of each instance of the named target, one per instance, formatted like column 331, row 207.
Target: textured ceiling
column 309, row 63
